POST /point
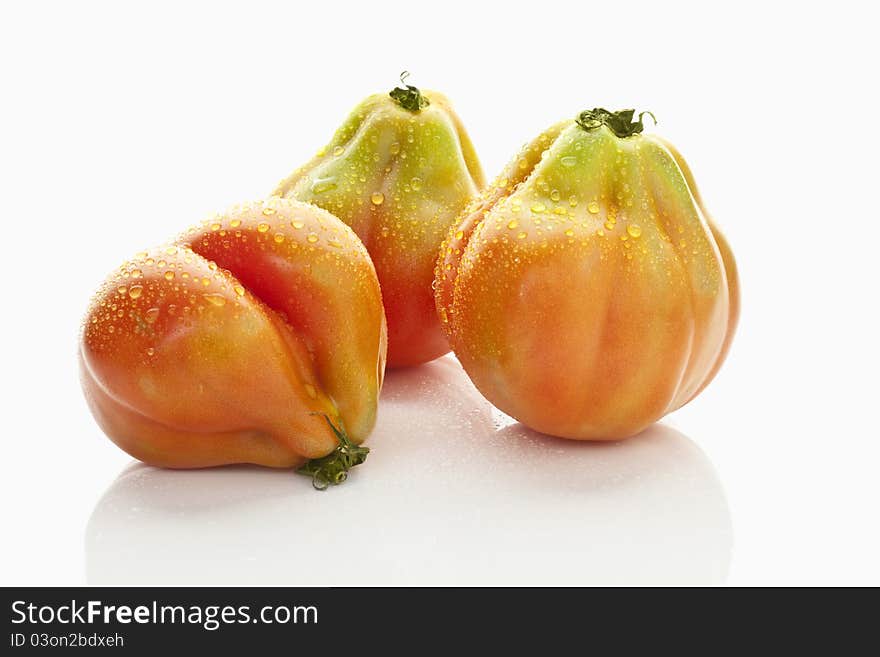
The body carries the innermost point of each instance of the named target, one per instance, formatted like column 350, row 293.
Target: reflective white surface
column 452, row 493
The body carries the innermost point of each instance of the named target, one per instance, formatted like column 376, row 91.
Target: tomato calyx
column 408, row 96
column 620, row 123
column 332, row 469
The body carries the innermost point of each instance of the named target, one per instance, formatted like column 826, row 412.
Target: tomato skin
column 399, row 178
column 587, row 294
column 730, row 268
column 184, row 364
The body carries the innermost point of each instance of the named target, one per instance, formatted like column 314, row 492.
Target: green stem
column 408, row 96
column 620, row 123
column 332, row 470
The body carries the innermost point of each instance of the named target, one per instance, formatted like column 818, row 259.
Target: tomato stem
column 332, row 469
column 408, row 96
column 620, row 123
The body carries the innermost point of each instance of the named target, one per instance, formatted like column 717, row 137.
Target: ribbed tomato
column 589, row 293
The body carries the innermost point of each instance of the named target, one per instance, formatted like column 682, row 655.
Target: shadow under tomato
column 453, row 492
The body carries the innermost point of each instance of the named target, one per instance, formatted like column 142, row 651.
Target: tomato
column 588, row 293
column 257, row 337
column 398, row 171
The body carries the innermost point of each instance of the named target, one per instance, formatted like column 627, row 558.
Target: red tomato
column 588, row 293
column 258, row 337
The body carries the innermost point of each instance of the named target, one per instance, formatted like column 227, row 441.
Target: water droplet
column 593, row 207
column 377, row 198
column 416, row 184
column 235, row 223
column 568, row 161
column 554, row 195
column 151, row 315
column 570, row 232
column 538, row 208
column 151, row 351
column 521, row 235
column 279, row 237
column 239, row 290
column 121, row 289
column 312, row 238
column 169, row 275
column 609, row 225
column 136, row 273
column 634, row 230
column 171, row 250
column 523, row 163
column 268, row 211
column 322, row 185
column 215, row 299
column 296, row 223
column 215, row 226
column 262, row 227
column 459, row 235
column 135, row 291
column 337, row 151
column 394, row 149
column 513, row 223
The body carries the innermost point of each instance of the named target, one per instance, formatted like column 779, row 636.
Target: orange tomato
column 399, row 171
column 588, row 293
column 258, row 337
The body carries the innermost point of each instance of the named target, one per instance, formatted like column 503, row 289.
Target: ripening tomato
column 398, row 171
column 257, row 337
column 588, row 293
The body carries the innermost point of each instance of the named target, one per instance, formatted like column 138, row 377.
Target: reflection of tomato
column 587, row 294
column 231, row 345
column 398, row 171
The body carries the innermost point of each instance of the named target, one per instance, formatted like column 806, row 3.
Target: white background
column 121, row 124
